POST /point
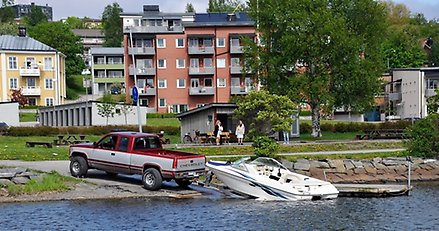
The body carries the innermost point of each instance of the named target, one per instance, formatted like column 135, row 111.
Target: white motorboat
column 267, row 179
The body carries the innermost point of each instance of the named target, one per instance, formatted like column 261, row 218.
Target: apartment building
column 23, row 10
column 35, row 68
column 107, row 69
column 185, row 60
column 409, row 89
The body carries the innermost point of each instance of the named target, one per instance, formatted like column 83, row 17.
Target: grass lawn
column 174, row 122
column 28, row 117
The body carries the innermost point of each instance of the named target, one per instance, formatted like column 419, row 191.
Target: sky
column 94, row 8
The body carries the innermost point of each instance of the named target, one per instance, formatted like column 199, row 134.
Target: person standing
column 286, row 137
column 240, row 130
column 218, row 131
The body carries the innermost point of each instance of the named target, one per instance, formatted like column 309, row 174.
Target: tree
column 8, row 2
column 8, row 28
column 264, row 112
column 74, row 23
column 107, row 107
column 125, row 109
column 6, row 14
column 35, row 17
column 224, row 6
column 112, row 25
column 322, row 53
column 424, row 137
column 17, row 96
column 190, row 8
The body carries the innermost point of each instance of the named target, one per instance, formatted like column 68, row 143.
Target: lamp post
column 135, row 80
column 86, row 84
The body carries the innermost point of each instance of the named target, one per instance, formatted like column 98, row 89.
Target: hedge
column 160, row 115
column 355, row 127
column 94, row 130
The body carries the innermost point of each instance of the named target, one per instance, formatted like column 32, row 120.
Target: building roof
column 417, row 69
column 89, row 33
column 206, row 107
column 106, row 51
column 17, row 43
column 221, row 19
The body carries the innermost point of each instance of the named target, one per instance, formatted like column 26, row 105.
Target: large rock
column 302, row 164
column 359, row 170
column 4, row 182
column 6, row 175
column 20, row 180
column 338, row 165
column 357, row 163
column 318, row 164
column 348, row 164
column 370, row 168
column 287, row 164
column 13, row 170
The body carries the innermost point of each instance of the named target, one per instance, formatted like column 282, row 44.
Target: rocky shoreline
column 378, row 170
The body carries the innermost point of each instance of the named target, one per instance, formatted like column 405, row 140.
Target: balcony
column 236, row 49
column 31, row 91
column 102, row 66
column 32, row 71
column 116, row 79
column 201, row 70
column 201, row 91
column 153, row 29
column 395, row 96
column 150, row 91
column 237, row 90
column 430, row 92
column 141, row 51
column 200, row 50
column 142, row 71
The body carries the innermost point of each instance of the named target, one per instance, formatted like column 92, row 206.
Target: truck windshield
column 146, row 142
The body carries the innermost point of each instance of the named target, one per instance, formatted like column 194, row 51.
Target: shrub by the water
column 424, row 137
column 265, row 147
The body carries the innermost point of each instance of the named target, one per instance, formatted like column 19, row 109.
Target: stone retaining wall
column 378, row 170
column 18, row 176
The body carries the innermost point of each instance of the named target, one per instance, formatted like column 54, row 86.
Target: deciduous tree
column 35, row 17
column 74, row 23
column 189, row 8
column 322, row 52
column 224, row 6
column 112, row 24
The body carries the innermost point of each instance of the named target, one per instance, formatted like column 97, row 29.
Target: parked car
column 136, row 153
column 115, row 90
column 3, row 127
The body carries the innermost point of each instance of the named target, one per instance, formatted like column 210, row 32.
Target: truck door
column 121, row 156
column 103, row 155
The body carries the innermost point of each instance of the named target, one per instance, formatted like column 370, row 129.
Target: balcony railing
column 201, row 91
column 141, row 51
column 30, row 91
column 115, row 79
column 236, row 49
column 430, row 92
column 237, row 90
column 32, row 71
column 153, row 29
column 201, row 70
column 100, row 66
column 142, row 71
column 150, row 91
column 200, row 50
column 395, row 96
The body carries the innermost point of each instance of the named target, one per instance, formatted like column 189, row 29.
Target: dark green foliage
column 10, row 28
column 225, row 6
column 160, row 115
column 265, row 147
column 75, row 23
column 6, row 14
column 424, row 137
column 94, row 130
column 112, row 25
column 355, row 127
column 35, row 17
column 189, row 8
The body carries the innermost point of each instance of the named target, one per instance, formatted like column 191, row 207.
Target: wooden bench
column 32, row 144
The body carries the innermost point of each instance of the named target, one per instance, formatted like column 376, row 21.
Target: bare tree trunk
column 315, row 118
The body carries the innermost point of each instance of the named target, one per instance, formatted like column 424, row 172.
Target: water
column 420, row 211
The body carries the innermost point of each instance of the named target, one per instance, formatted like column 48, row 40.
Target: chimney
column 21, row 31
column 231, row 17
column 151, row 8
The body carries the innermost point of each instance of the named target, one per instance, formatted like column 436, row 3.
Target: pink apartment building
column 185, row 60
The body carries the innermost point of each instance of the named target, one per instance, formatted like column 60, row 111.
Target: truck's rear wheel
column 183, row 182
column 78, row 166
column 151, row 179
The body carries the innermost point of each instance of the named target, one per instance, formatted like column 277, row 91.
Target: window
column 201, row 105
column 48, row 63
column 13, row 83
column 123, row 144
column 207, row 62
column 179, row 108
column 161, row 43
column 13, row 63
column 31, row 82
column 221, row 82
column 115, row 74
column 181, row 83
column 30, row 62
column 101, row 74
column 100, row 60
column 143, row 102
column 235, row 62
column 114, row 60
column 234, row 42
column 162, row 102
column 49, row 101
column 179, row 43
column 221, row 63
column 48, row 83
column 180, row 63
column 162, row 83
column 32, row 101
column 208, row 82
column 221, row 42
column 161, row 63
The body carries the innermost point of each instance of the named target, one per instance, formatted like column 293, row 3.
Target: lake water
column 420, row 211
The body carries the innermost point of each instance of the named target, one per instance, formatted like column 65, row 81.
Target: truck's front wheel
column 151, row 179
column 78, row 166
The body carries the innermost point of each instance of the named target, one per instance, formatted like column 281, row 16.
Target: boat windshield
column 240, row 164
column 268, row 162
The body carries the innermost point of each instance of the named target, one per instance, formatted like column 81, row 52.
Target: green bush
column 305, row 128
column 265, row 147
column 305, row 113
column 160, row 115
column 424, row 137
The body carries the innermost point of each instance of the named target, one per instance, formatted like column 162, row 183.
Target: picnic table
column 70, row 139
column 372, row 134
column 32, row 144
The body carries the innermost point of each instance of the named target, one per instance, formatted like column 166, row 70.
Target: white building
column 409, row 90
column 10, row 113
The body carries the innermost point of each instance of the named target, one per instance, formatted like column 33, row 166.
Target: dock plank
column 371, row 190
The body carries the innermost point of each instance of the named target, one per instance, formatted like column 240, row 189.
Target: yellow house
column 35, row 68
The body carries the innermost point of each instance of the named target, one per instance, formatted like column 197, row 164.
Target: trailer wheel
column 152, row 179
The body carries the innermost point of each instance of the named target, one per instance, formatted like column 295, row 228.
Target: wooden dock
column 371, row 190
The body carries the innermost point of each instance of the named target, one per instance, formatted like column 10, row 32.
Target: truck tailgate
column 190, row 164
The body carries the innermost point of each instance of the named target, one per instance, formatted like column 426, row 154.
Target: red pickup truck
column 136, row 153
